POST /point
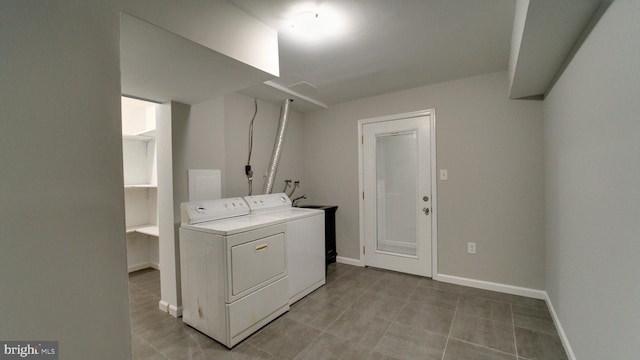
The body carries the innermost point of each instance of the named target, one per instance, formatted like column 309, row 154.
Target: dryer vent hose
column 277, row 147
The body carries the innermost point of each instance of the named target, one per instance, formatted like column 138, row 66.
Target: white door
column 396, row 159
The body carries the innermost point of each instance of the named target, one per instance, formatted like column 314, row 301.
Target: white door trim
column 434, row 180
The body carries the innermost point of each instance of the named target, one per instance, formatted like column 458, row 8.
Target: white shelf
column 142, row 186
column 147, row 229
column 147, row 135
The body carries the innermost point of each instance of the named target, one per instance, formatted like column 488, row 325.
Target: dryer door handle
column 261, row 247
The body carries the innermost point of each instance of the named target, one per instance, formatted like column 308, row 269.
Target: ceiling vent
column 304, row 88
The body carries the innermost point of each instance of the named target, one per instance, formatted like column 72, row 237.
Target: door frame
column 433, row 169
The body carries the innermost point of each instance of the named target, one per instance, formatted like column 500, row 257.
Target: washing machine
column 233, row 269
column 305, row 247
column 243, row 261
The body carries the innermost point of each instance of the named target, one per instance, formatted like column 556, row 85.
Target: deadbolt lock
column 425, row 198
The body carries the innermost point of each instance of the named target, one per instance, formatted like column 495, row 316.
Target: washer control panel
column 196, row 212
column 268, row 201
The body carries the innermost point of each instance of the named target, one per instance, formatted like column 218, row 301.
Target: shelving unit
column 144, row 229
column 140, row 184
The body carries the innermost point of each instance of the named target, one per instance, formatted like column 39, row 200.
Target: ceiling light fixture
column 315, row 23
column 308, row 22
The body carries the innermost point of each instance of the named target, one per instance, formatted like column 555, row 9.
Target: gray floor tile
column 360, row 279
column 360, row 327
column 425, row 317
column 404, row 342
column 492, row 295
column 435, row 297
column 426, row 282
column 531, row 311
column 533, row 318
column 337, row 270
column 284, row 338
column 534, row 323
column 151, row 323
column 527, row 301
column 400, row 277
column 183, row 351
column 142, row 350
column 153, row 356
column 177, row 347
column 329, row 347
column 380, row 356
column 399, row 287
column 537, row 345
column 362, row 313
column 380, row 305
column 337, row 294
column 246, row 351
column 460, row 350
column 160, row 333
column 484, row 332
column 315, row 313
column 485, row 308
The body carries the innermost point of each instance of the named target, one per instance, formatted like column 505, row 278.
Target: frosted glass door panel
column 396, row 191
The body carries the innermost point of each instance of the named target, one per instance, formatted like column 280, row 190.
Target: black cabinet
column 329, row 229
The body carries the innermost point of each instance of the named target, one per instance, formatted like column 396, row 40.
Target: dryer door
column 256, row 259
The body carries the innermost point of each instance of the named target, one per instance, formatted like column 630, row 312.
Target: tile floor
column 363, row 313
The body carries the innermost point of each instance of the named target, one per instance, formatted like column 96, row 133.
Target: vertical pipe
column 277, row 147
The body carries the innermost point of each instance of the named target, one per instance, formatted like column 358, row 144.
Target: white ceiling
column 385, row 46
column 390, row 45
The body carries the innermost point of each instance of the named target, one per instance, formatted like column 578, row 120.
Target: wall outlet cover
column 471, row 248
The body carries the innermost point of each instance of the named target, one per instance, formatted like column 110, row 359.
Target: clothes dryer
column 305, row 241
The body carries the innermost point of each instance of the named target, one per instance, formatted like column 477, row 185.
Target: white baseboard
column 164, row 306
column 487, row 285
column 563, row 336
column 348, row 261
column 173, row 310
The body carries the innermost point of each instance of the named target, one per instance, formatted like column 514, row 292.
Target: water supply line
column 247, row 168
column 277, row 147
column 295, row 186
column 294, row 202
column 287, row 183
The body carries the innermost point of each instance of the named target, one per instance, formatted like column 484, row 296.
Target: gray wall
column 214, row 135
column 492, row 148
column 238, row 110
column 592, row 162
column 63, row 257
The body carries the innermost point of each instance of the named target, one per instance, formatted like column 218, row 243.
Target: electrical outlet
column 471, row 247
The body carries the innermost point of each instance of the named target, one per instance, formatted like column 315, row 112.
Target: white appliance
column 241, row 267
column 233, row 268
column 306, row 256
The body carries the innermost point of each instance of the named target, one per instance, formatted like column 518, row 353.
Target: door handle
column 261, row 247
column 426, row 211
